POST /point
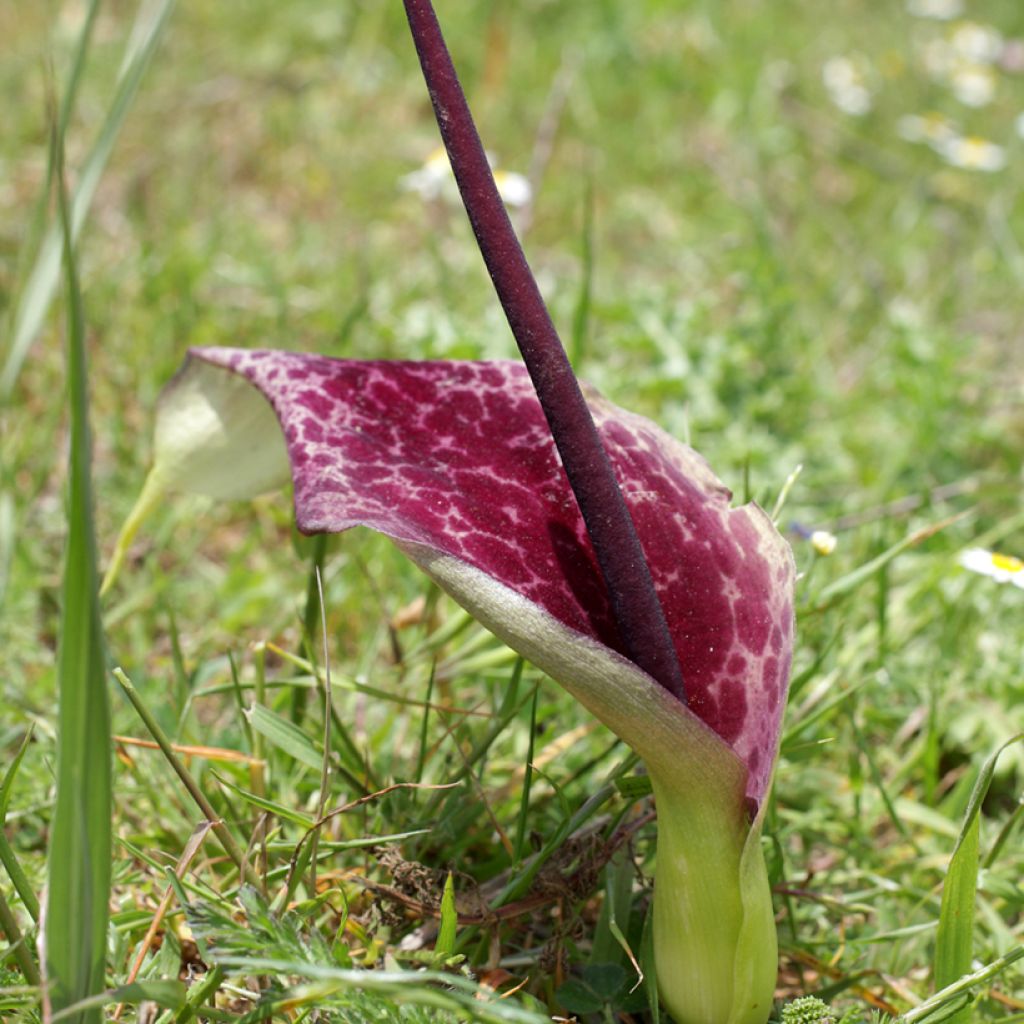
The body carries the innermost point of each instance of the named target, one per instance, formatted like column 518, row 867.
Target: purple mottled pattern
column 457, row 456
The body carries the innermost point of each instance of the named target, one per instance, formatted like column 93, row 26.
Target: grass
column 732, row 255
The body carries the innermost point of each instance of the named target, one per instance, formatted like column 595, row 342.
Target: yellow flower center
column 1007, row 563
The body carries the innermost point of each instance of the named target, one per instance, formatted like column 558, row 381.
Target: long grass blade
column 6, row 541
column 934, row 1005
column 75, row 919
column 162, row 992
column 955, row 939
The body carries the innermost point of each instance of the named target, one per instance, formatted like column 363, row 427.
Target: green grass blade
column 7, row 855
column 929, row 1009
column 445, row 944
column 167, row 993
column 6, row 541
column 36, row 296
column 609, row 942
column 584, row 297
column 845, row 585
column 270, row 806
column 285, row 735
column 75, row 920
column 954, row 942
column 647, row 965
column 524, row 801
column 19, row 948
column 955, row 939
column 220, row 829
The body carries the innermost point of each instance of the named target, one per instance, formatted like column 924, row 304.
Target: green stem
column 9, row 925
column 961, row 986
column 17, row 875
column 714, row 928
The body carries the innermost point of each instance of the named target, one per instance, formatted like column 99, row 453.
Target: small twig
column 350, row 806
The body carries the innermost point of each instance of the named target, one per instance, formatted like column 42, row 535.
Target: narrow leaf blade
column 75, row 924
column 285, row 735
column 445, row 945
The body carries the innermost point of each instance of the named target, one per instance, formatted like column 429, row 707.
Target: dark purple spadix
column 620, row 557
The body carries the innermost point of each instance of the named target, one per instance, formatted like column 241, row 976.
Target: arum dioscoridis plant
column 594, row 544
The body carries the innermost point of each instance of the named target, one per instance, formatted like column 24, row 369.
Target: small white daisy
column 940, row 10
column 513, row 188
column 932, row 128
column 979, row 44
column 1001, row 568
column 973, row 84
column 823, row 542
column 434, row 180
column 971, row 153
column 846, row 82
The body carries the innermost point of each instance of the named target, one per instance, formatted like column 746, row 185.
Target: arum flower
column 454, row 462
column 676, row 632
column 1001, row 568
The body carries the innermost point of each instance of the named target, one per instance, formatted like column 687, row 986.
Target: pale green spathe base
column 714, row 927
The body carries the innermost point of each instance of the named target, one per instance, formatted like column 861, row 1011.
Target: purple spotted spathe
column 457, row 456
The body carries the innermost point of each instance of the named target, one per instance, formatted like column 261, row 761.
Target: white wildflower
column 1001, row 568
column 513, row 188
column 940, row 10
column 973, row 84
column 845, row 79
column 823, row 542
column 971, row 153
column 434, row 180
column 931, row 127
column 978, row 44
